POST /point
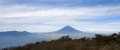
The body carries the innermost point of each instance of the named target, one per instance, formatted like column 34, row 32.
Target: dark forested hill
column 99, row 42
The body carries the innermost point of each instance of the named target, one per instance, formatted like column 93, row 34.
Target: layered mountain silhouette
column 14, row 33
column 65, row 30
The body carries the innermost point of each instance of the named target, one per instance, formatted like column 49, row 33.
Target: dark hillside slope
column 100, row 42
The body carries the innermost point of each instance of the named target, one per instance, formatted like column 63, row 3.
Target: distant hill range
column 14, row 33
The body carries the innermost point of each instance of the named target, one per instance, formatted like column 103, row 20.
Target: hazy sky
column 51, row 15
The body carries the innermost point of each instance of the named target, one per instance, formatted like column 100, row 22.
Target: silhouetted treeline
column 99, row 42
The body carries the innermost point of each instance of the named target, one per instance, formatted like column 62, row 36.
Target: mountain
column 14, row 33
column 68, row 30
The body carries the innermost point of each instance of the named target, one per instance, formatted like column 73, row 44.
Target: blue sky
column 50, row 15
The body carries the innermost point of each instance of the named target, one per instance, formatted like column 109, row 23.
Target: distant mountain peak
column 68, row 29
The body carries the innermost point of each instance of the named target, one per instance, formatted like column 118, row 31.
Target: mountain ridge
column 14, row 33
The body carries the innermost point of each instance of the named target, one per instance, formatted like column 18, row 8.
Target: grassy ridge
column 99, row 42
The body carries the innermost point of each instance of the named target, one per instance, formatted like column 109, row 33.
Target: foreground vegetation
column 99, row 42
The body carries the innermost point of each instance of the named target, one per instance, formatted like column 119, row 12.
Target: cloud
column 99, row 28
column 83, row 12
column 47, row 18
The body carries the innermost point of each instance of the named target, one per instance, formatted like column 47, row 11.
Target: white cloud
column 81, row 12
column 35, row 19
column 99, row 28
